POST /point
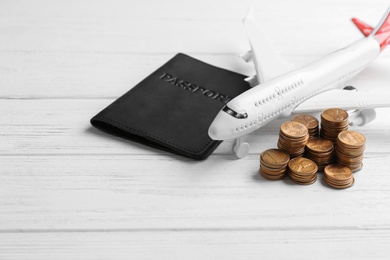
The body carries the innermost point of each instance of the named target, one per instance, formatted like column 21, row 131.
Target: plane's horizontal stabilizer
column 344, row 99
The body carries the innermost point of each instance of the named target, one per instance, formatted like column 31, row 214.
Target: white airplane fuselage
column 279, row 96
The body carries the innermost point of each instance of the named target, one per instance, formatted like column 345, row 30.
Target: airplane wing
column 268, row 63
column 344, row 99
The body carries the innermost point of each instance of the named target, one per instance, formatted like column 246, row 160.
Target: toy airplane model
column 278, row 90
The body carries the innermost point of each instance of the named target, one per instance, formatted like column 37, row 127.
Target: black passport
column 173, row 107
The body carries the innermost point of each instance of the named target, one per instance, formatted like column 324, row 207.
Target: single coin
column 358, row 168
column 353, row 167
column 348, row 153
column 339, row 183
column 273, row 167
column 318, row 155
column 309, row 121
column 343, row 186
column 351, row 139
column 350, row 149
column 305, row 183
column 333, row 126
column 321, row 163
column 301, row 178
column 275, row 157
column 271, row 177
column 337, row 172
column 293, row 152
column 335, row 115
column 294, row 129
column 273, row 172
column 302, row 165
column 319, row 145
column 351, row 160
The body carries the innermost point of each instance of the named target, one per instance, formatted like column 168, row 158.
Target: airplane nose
column 213, row 131
column 221, row 127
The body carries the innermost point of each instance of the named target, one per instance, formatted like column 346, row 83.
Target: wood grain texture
column 129, row 193
column 69, row 191
column 32, row 75
column 61, row 127
column 202, row 244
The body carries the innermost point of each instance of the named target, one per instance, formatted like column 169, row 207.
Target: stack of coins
column 321, row 151
column 310, row 122
column 338, row 176
column 333, row 122
column 293, row 137
column 273, row 164
column 302, row 171
column 349, row 149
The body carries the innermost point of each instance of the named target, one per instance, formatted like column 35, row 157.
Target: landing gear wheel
column 241, row 148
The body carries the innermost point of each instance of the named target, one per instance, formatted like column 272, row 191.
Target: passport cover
column 173, row 107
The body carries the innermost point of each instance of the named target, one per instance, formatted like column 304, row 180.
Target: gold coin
column 274, row 157
column 301, row 178
column 349, row 152
column 353, row 167
column 333, row 121
column 305, row 183
column 351, row 139
column 333, row 125
column 271, row 177
column 346, row 159
column 338, row 176
column 293, row 137
column 309, row 121
column 273, row 167
column 335, row 115
column 339, row 183
column 352, row 182
column 273, row 172
column 293, row 144
column 320, row 153
column 292, row 152
column 320, row 156
column 321, row 163
column 319, row 145
column 302, row 166
column 294, row 129
column 337, row 172
column 357, row 168
column 332, row 131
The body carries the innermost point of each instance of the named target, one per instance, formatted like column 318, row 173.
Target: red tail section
column 363, row 27
column 381, row 32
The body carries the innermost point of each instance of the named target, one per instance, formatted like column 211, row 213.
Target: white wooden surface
column 68, row 191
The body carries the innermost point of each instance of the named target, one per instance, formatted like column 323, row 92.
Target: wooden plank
column 62, row 126
column 137, row 192
column 249, row 244
column 216, row 10
column 89, row 75
column 107, row 75
column 148, row 27
column 68, row 191
column 58, row 50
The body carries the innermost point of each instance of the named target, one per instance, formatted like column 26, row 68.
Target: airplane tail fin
column 363, row 27
column 381, row 32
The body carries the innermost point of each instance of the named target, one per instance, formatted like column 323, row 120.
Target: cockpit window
column 234, row 113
